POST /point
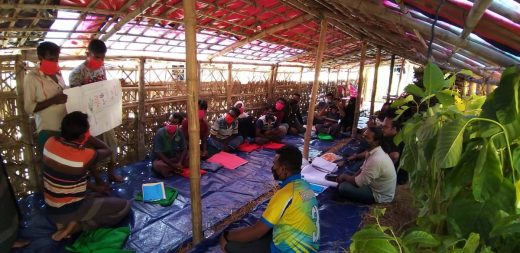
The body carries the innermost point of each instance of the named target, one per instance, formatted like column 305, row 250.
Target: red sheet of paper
column 248, row 147
column 227, row 160
column 186, row 172
column 273, row 145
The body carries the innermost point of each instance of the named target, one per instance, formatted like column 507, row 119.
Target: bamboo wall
column 164, row 93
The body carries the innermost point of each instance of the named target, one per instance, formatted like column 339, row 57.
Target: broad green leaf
column 480, row 217
column 488, row 111
column 427, row 97
column 506, row 225
column 506, row 100
column 487, row 174
column 459, row 103
column 462, row 174
column 373, row 246
column 450, row 81
column 415, row 90
column 421, row 238
column 472, row 243
column 370, row 234
column 466, row 72
column 517, row 190
column 475, row 102
column 433, row 79
column 402, row 101
column 428, row 129
column 444, row 98
column 449, row 146
column 378, row 212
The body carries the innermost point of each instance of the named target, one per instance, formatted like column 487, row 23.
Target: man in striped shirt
column 66, row 164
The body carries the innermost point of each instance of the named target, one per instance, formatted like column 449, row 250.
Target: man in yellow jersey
column 290, row 222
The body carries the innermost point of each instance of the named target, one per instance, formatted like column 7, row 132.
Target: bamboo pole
column 314, row 94
column 403, row 63
column 474, row 16
column 374, row 88
column 229, row 85
column 141, row 112
column 192, row 82
column 35, row 174
column 360, row 88
column 300, row 81
column 390, row 79
column 272, row 81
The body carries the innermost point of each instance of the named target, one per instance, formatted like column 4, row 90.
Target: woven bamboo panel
column 165, row 93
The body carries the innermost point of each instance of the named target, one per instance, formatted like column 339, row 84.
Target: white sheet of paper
column 311, row 175
column 102, row 101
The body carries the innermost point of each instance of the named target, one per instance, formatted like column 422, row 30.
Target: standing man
column 375, row 181
column 90, row 71
column 43, row 93
column 290, row 223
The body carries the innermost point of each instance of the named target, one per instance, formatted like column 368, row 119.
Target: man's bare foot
column 20, row 244
column 64, row 232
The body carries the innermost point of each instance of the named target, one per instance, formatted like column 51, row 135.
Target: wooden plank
column 315, row 86
column 360, row 89
column 192, row 81
column 374, row 87
column 141, row 112
column 390, row 78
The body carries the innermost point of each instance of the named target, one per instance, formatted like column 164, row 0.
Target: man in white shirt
column 375, row 181
column 43, row 93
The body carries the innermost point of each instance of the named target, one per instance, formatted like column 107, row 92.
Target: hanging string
column 430, row 45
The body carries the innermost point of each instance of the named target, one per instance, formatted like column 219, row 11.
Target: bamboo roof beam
column 503, row 10
column 474, row 16
column 80, row 19
column 129, row 17
column 269, row 31
column 32, row 7
column 388, row 15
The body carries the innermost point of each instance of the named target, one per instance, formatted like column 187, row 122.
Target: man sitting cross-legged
column 290, row 223
column 66, row 162
column 169, row 148
column 224, row 132
column 375, row 181
column 267, row 129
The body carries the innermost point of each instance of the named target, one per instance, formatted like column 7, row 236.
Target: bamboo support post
column 192, row 81
column 316, row 84
column 229, row 85
column 272, row 81
column 390, row 78
column 25, row 128
column 472, row 88
column 360, row 89
column 374, row 88
column 141, row 112
column 401, row 71
column 300, row 81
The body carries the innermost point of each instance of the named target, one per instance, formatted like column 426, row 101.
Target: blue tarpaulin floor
column 164, row 229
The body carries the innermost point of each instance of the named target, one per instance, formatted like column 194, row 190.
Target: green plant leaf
column 433, row 79
column 427, row 97
column 506, row 225
column 420, row 238
column 373, row 246
column 472, row 243
column 506, row 100
column 462, row 174
column 415, row 90
column 445, row 98
column 370, row 234
column 487, row 174
column 475, row 102
column 402, row 101
column 449, row 145
column 466, row 72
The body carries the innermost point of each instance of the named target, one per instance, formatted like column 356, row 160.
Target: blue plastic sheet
column 164, row 229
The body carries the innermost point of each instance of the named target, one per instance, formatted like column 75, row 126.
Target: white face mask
column 328, row 100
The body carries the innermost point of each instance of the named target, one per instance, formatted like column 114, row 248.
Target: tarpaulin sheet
column 158, row 229
column 338, row 222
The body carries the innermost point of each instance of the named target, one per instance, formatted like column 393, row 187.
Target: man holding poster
column 90, row 71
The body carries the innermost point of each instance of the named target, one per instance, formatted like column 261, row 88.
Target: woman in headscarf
column 246, row 123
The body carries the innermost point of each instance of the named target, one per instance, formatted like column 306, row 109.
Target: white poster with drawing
column 102, row 101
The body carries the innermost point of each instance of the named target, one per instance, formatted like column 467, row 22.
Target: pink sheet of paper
column 186, row 172
column 227, row 160
column 248, row 147
column 273, row 145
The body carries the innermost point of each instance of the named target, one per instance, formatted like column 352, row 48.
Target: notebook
column 228, row 161
column 153, row 191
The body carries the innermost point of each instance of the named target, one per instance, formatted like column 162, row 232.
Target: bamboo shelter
column 171, row 53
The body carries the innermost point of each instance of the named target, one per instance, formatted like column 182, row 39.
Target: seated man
column 290, row 223
column 169, row 149
column 246, row 122
column 375, row 181
column 267, row 129
column 322, row 107
column 66, row 161
column 390, row 129
column 294, row 116
column 203, row 128
column 280, row 111
column 224, row 132
column 330, row 123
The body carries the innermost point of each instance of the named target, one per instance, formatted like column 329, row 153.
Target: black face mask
column 275, row 176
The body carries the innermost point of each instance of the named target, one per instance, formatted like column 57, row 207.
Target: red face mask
column 49, row 67
column 202, row 114
column 279, row 106
column 94, row 63
column 85, row 138
column 229, row 119
column 171, row 129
